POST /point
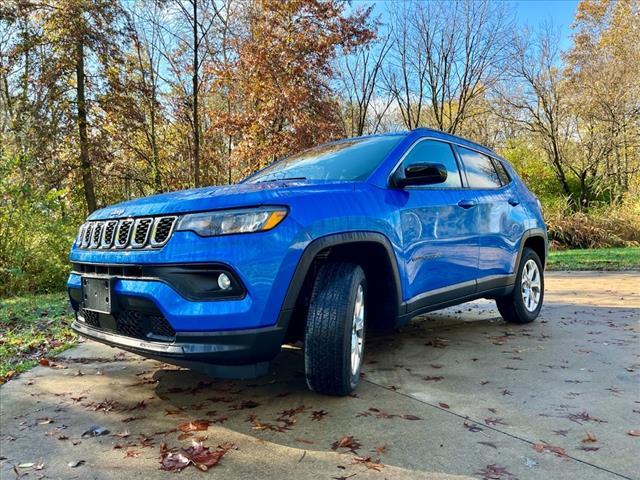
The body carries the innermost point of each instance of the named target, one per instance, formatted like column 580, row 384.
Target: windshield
column 346, row 160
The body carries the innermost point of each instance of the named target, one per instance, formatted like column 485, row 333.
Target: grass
column 595, row 259
column 32, row 328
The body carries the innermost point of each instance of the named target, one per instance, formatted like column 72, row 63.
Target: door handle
column 466, row 204
column 514, row 202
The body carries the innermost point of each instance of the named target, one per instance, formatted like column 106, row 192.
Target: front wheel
column 524, row 303
column 335, row 329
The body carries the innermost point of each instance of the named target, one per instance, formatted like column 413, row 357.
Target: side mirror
column 421, row 174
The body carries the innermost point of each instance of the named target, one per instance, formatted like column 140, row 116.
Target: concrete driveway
column 455, row 394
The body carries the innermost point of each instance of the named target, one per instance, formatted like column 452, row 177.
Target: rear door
column 437, row 225
column 499, row 217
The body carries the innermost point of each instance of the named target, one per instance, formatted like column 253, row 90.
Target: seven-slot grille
column 127, row 233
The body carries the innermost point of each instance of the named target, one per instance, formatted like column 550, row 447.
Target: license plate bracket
column 97, row 294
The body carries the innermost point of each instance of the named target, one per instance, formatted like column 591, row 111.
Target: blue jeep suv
column 318, row 247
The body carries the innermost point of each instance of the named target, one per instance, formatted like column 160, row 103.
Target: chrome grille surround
column 109, row 233
column 141, row 229
column 123, row 233
column 162, row 230
column 127, row 233
column 96, row 235
column 86, row 239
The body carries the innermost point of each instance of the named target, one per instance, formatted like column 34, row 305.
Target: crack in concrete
column 489, row 427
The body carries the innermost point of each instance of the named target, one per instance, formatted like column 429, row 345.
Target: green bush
column 37, row 228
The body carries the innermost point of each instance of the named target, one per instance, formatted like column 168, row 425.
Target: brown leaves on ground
column 258, row 424
column 291, row 412
column 433, row 378
column 347, row 442
column 547, row 448
column 634, row 433
column 109, row 405
column 201, row 457
column 583, row 417
column 495, row 472
column 195, row 426
column 590, row 437
column 368, row 462
column 318, row 415
column 45, row 362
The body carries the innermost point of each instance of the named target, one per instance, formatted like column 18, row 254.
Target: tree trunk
column 196, row 123
column 85, row 161
column 155, row 160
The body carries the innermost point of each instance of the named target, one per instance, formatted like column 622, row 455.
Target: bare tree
column 445, row 55
column 359, row 79
column 535, row 97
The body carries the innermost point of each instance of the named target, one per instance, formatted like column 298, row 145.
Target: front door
column 437, row 225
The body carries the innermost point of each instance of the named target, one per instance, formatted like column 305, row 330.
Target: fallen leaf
column 368, row 462
column 590, row 437
column 318, row 415
column 634, row 433
column 348, row 442
column 198, row 455
column 410, row 417
column 75, row 463
column 494, row 472
column 545, row 447
column 196, row 426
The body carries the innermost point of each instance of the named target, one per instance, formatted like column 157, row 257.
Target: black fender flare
column 322, row 243
column 532, row 233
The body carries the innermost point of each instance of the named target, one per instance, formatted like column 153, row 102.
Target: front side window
column 480, row 170
column 433, row 151
column 353, row 160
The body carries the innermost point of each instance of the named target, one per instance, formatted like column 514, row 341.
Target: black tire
column 512, row 307
column 327, row 338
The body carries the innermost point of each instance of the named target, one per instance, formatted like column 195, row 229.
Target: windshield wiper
column 281, row 179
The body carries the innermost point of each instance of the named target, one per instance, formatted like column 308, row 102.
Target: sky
column 559, row 12
column 528, row 13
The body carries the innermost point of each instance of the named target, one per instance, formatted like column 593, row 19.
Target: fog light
column 224, row 282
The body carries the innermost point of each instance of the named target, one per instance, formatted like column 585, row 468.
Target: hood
column 216, row 198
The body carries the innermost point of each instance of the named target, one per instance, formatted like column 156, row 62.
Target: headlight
column 226, row 222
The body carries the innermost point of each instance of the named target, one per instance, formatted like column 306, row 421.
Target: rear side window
column 432, row 151
column 480, row 170
column 503, row 175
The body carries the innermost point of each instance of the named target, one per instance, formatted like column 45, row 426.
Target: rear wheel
column 335, row 329
column 524, row 303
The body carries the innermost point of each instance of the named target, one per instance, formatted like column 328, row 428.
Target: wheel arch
column 372, row 250
column 536, row 239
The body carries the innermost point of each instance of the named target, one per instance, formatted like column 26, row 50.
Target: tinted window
column 480, row 170
column 346, row 160
column 431, row 151
column 502, row 172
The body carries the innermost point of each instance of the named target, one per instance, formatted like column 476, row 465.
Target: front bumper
column 230, row 348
